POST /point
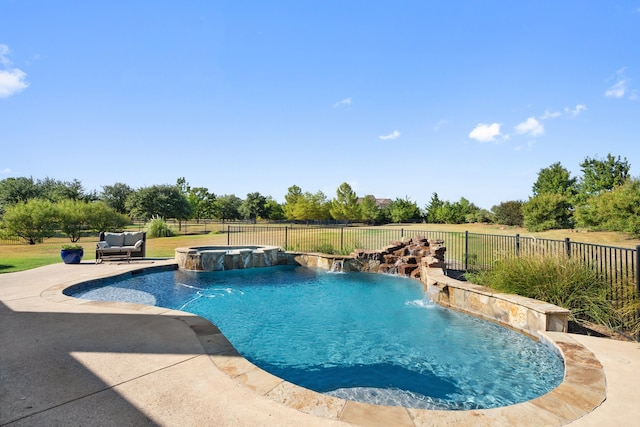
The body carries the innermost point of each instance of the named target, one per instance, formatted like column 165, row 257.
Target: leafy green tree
column 433, row 210
column 16, row 190
column 115, row 196
column 294, row 194
column 479, row 216
column 554, row 179
column 56, row 190
column 404, row 210
column 101, row 217
column 463, row 211
column 71, row 216
column 509, row 213
column 369, row 211
column 445, row 212
column 305, row 206
column 183, row 185
column 165, row 201
column 75, row 217
column 547, row 211
column 345, row 205
column 32, row 220
column 227, row 207
column 320, row 206
column 603, row 174
column 385, row 214
column 451, row 213
column 311, row 207
column 253, row 207
column 615, row 210
column 201, row 202
column 274, row 211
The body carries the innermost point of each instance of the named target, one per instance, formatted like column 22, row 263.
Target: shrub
column 509, row 213
column 614, row 210
column 324, row 248
column 557, row 280
column 71, row 247
column 75, row 217
column 546, row 212
column 32, row 220
column 157, row 227
column 630, row 312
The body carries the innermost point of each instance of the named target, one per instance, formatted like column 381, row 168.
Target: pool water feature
column 363, row 337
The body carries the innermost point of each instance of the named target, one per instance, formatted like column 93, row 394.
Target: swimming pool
column 363, row 337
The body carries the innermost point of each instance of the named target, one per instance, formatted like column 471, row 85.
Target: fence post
column 517, row 244
column 341, row 239
column 567, row 247
column 637, row 272
column 638, row 268
column 228, row 235
column 466, row 250
column 286, row 235
column 402, row 234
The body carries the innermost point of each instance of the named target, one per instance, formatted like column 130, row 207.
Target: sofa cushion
column 112, row 250
column 102, row 245
column 114, row 239
column 130, row 238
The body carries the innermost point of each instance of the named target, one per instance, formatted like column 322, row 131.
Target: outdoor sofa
column 125, row 245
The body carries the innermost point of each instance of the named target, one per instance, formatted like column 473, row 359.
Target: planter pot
column 71, row 256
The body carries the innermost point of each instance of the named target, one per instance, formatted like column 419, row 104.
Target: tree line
column 604, row 197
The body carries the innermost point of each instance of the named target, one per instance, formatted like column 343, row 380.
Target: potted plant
column 71, row 254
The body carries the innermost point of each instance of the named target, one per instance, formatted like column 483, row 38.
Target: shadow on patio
column 78, row 368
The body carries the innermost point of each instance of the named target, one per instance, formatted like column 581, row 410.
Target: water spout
column 245, row 257
column 337, row 266
column 432, row 293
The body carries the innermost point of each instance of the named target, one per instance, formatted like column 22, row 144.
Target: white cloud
column 620, row 88
column 343, row 103
column 485, row 133
column 573, row 112
column 530, row 127
column 441, row 124
column 4, row 51
column 6, row 171
column 550, row 115
column 577, row 110
column 617, row 90
column 393, row 135
column 12, row 80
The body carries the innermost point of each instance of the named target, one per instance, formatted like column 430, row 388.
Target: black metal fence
column 619, row 267
column 178, row 227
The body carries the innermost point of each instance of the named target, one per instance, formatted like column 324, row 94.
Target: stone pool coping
column 582, row 391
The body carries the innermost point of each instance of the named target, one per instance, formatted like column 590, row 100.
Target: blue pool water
column 366, row 337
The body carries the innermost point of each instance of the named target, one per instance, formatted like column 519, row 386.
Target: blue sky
column 397, row 98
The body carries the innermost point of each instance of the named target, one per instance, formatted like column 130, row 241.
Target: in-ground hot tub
column 216, row 258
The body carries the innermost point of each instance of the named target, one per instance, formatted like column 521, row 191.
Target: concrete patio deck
column 68, row 362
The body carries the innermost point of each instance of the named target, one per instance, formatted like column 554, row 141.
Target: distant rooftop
column 381, row 203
